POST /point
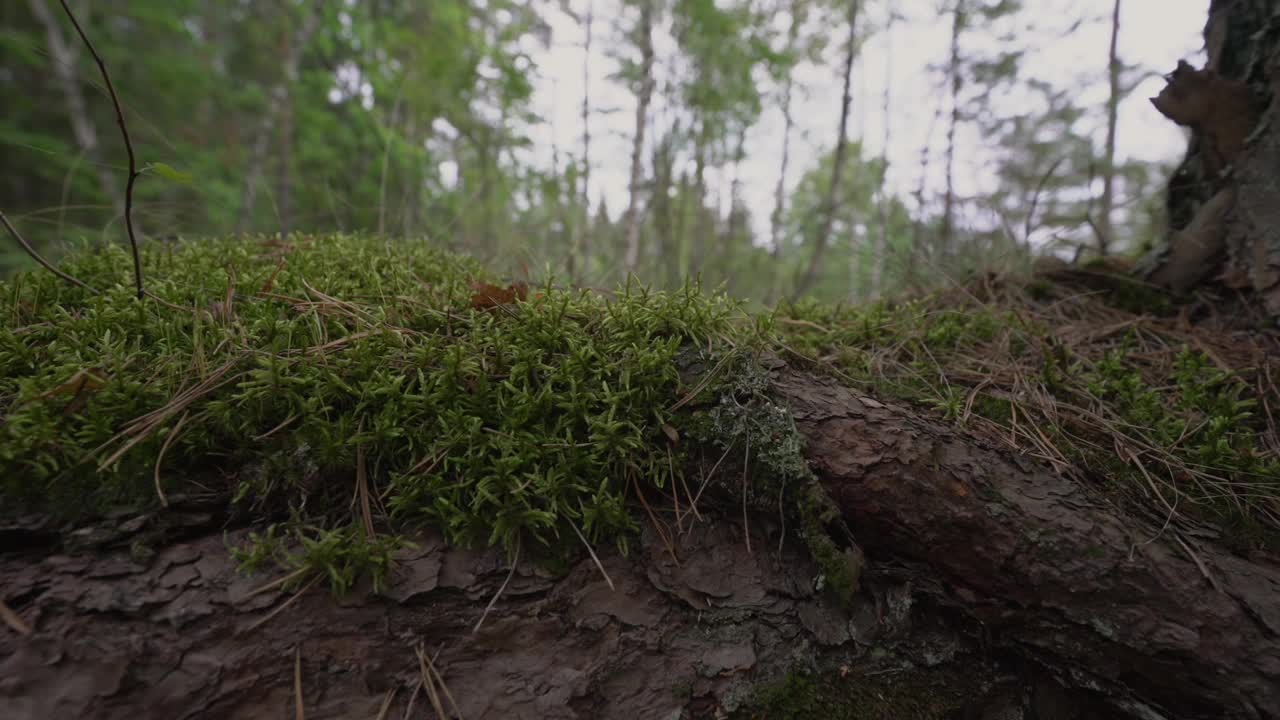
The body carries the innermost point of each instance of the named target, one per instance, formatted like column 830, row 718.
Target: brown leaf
column 491, row 296
column 80, row 386
column 84, row 380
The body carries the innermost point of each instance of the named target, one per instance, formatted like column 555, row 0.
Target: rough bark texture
column 994, row 589
column 1235, row 147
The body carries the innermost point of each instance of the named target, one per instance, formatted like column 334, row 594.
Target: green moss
column 518, row 424
column 1195, row 428
column 913, row 695
column 745, row 416
column 841, row 566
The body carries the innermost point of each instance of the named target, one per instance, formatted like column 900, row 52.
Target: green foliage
column 498, row 425
column 341, row 556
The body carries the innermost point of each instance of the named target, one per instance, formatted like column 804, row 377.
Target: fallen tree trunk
column 992, row 586
column 1050, row 569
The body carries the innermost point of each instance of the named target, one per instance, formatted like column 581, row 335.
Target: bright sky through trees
column 1156, row 34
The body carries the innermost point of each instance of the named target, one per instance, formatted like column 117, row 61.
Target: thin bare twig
column 38, row 258
column 128, row 146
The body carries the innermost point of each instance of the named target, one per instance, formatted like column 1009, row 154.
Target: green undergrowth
column 1172, row 418
column 346, row 391
column 351, row 389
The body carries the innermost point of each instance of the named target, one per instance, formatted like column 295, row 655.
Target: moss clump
column 1164, row 415
column 915, row 695
column 745, row 416
column 350, row 367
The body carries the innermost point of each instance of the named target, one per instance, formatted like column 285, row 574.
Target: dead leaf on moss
column 490, row 296
column 79, row 386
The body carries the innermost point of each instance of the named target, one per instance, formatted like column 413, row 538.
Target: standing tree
column 830, row 208
column 1222, row 203
column 1106, row 231
column 642, row 75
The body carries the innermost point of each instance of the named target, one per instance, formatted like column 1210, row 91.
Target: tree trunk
column 643, row 97
column 830, row 208
column 879, row 259
column 1222, row 202
column 584, row 226
column 278, row 98
column 991, row 585
column 947, row 236
column 780, row 191
column 64, row 57
column 1106, row 228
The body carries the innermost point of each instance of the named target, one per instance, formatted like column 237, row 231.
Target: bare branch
column 36, row 256
column 128, row 146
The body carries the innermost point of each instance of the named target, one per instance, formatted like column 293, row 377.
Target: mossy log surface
column 992, row 584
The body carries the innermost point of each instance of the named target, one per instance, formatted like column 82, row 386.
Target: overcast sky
column 1155, row 35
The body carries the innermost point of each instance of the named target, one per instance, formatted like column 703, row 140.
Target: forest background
column 845, row 149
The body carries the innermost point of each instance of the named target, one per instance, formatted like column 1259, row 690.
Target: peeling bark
column 1235, row 146
column 996, row 584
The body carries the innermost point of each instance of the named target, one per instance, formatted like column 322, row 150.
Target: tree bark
column 994, row 582
column 810, row 275
column 1222, row 202
column 947, row 234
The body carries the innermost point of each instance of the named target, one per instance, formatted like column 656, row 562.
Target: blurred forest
column 426, row 120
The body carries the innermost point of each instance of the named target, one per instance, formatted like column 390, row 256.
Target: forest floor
column 337, row 397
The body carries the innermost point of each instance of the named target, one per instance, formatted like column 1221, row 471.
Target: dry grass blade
column 12, row 620
column 657, row 524
column 362, row 488
column 283, row 606
column 142, row 427
column 746, row 525
column 707, row 478
column 164, row 501
column 702, row 385
column 279, row 582
column 494, row 600
column 431, row 667
column 299, row 710
column 429, row 683
column 594, row 558
column 385, row 708
column 413, row 699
